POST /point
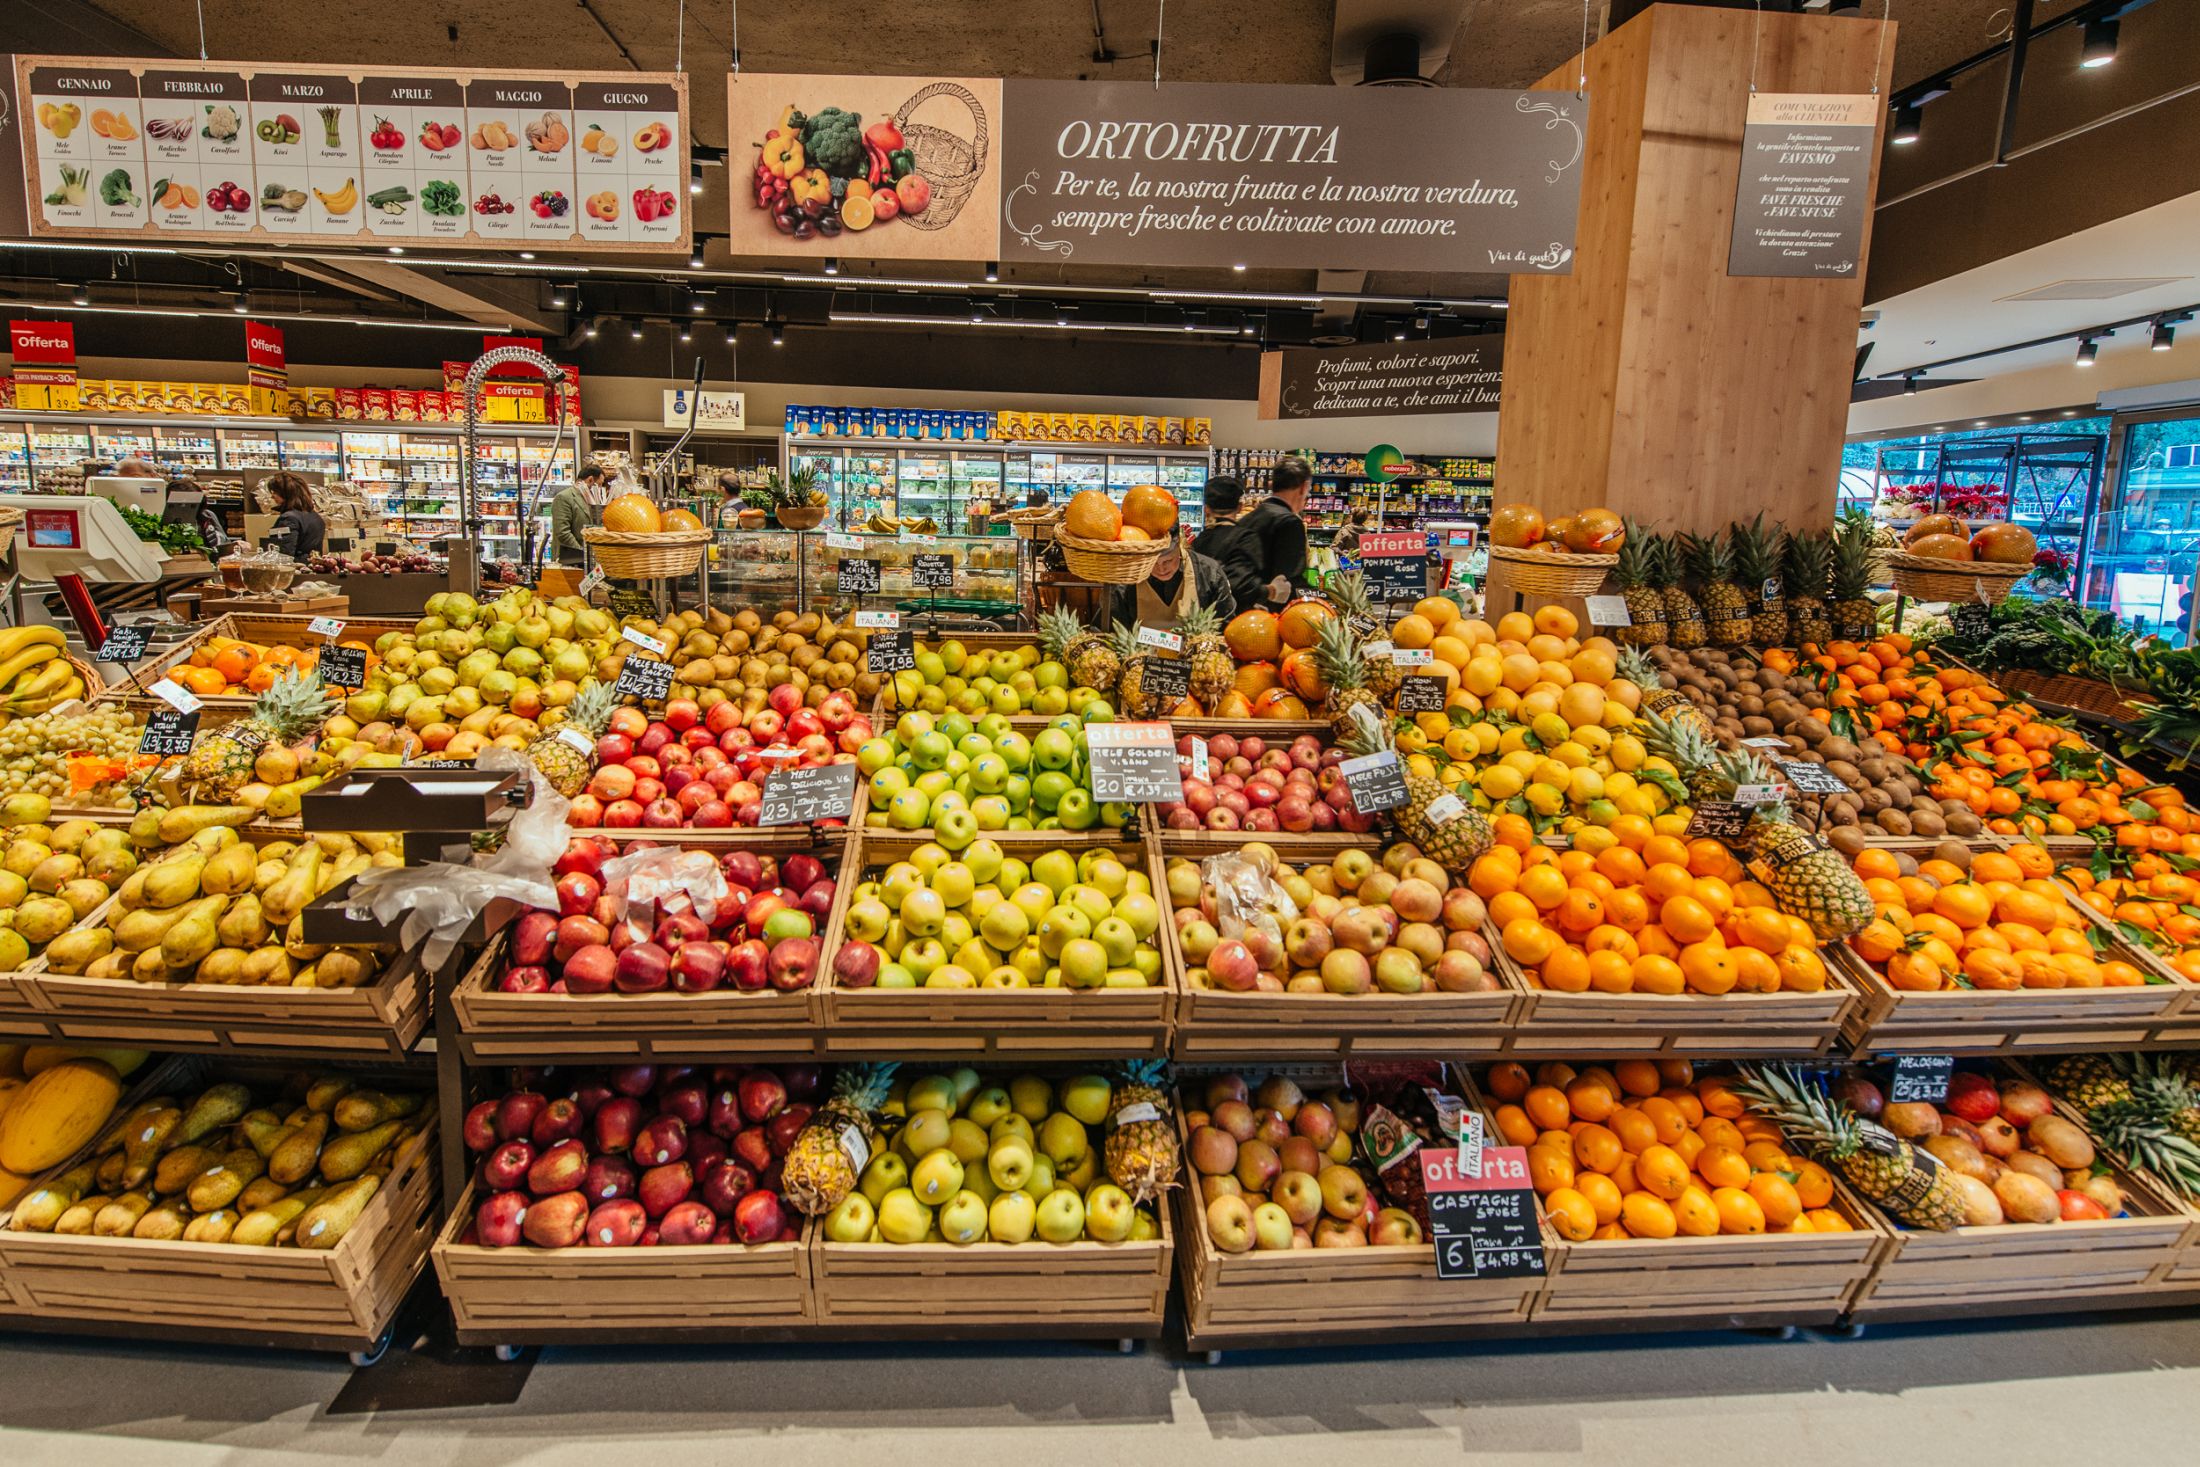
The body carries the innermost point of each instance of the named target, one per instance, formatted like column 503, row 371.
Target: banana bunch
column 886, row 524
column 219, row 910
column 295, row 1168
column 341, row 200
column 34, row 675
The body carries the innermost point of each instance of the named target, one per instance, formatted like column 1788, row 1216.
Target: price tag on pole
column 1969, row 618
column 1168, row 679
column 1921, row 1077
column 643, row 677
column 856, row 578
column 1421, row 695
column 1608, row 611
column 1133, row 762
column 343, row 666
column 1377, row 782
column 1720, row 820
column 123, row 644
column 933, row 572
column 895, row 652
column 326, row 626
column 805, row 796
column 168, row 732
column 1484, row 1227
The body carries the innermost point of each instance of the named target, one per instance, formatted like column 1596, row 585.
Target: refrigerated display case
column 773, row 567
column 978, row 487
column 924, row 486
column 943, row 481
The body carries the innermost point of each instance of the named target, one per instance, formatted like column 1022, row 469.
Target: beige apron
column 1161, row 615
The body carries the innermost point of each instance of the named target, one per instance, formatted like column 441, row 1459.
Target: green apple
column 1049, row 789
column 903, row 1219
column 896, row 938
column 1032, row 1097
column 1086, row 1097
column 1108, row 1213
column 1015, row 1123
column 1115, row 814
column 1084, row 963
column 973, row 746
column 1062, row 926
column 951, row 975
column 902, row 878
column 982, row 901
column 887, row 783
column 954, row 725
column 1097, row 711
column 1034, row 899
column 894, row 975
column 929, row 857
column 1013, row 872
column 1063, row 1138
column 1090, row 900
column 885, row 1173
column 1146, row 963
column 991, row 812
column 931, row 667
column 875, row 755
column 955, row 827
column 1141, row 911
column 1057, row 869
column 1029, row 959
column 967, row 1139
column 852, row 1221
column 987, row 1105
column 937, row 1176
column 1082, row 698
column 1051, row 674
column 989, row 774
column 1110, row 875
column 867, row 919
column 975, row 1180
column 1143, row 1228
column 1001, row 976
column 1126, row 978
column 956, row 930
column 1042, row 1173
column 923, row 913
column 1012, row 1217
column 1050, row 700
column 1116, row 940
column 922, row 958
column 977, row 956
column 985, row 859
column 1061, row 1217
column 934, row 783
column 1053, row 749
column 1077, row 810
column 1082, row 1175
column 910, row 724
column 909, row 810
column 954, row 883
column 931, row 1115
column 1006, row 700
column 1008, row 1163
column 1004, row 927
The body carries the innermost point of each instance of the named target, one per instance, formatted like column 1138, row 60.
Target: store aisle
column 1951, row 1394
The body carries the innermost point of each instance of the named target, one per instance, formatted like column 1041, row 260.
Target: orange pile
column 227, row 667
column 1643, row 1150
column 1650, row 914
column 2154, row 913
column 2003, row 925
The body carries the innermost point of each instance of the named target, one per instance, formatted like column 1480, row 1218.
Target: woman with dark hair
column 292, row 500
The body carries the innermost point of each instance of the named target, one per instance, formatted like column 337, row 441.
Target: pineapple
column 1854, row 616
column 1806, row 878
column 1638, row 565
column 1349, row 592
column 294, row 704
column 1757, row 563
column 1809, row 562
column 2140, row 1108
column 1447, row 829
column 1343, row 672
column 1214, row 670
column 2090, row 1081
column 1130, row 679
column 1907, row 1182
column 1059, row 632
column 1141, row 1150
column 831, row 1151
column 1711, row 566
column 1085, row 652
column 1684, row 620
column 561, row 761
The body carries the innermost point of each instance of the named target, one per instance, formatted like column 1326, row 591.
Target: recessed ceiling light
column 397, row 249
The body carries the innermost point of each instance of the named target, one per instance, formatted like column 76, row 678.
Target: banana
column 48, row 680
column 341, row 201
column 45, row 705
column 30, row 657
column 15, row 639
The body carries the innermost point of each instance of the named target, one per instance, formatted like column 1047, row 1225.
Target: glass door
column 15, row 458
column 1079, row 471
column 250, row 448
column 867, row 487
column 978, row 485
column 827, row 473
column 2145, row 553
column 315, row 452
column 923, row 491
column 55, row 451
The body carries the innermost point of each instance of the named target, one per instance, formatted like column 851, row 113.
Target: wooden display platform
column 1032, row 1024
column 2004, row 1021
column 341, row 1298
column 1552, row 1025
column 1043, row 1289
column 526, row 1295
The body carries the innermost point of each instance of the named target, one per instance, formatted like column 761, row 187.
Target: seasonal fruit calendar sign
column 437, row 158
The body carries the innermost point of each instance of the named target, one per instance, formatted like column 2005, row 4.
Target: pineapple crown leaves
column 293, row 702
column 1337, row 654
column 865, row 1087
column 590, row 710
column 1349, row 590
column 1637, row 557
column 1200, row 621
column 1057, row 629
column 1149, row 1072
column 1123, row 641
column 1708, row 556
column 1798, row 1100
column 1367, row 734
column 1756, row 555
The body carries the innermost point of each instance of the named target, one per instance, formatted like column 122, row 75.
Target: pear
column 111, row 968
column 55, row 872
column 162, row 1223
column 243, row 925
column 211, row 1227
column 25, row 856
column 223, row 1180
column 13, row 888
column 15, row 952
column 178, row 826
column 195, row 935
column 324, row 1224
column 73, row 952
column 231, row 871
column 144, row 1141
column 260, row 1227
column 217, row 1106
column 349, row 1155
column 276, row 764
column 120, row 1216
column 294, row 1159
column 1063, row 1138
column 223, row 967
column 40, row 1208
column 82, row 895
column 289, row 896
column 149, row 967
column 174, row 881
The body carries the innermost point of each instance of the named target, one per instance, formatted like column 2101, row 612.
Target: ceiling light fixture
column 779, row 337
column 685, row 333
column 240, row 305
column 82, row 295
column 695, row 178
column 1239, row 268
column 527, row 254
column 832, row 264
column 983, row 322
column 589, row 330
column 2088, row 351
column 197, row 312
column 635, row 331
column 696, row 304
column 2165, row 334
column 2098, row 46
column 695, row 259
column 557, row 299
column 992, row 271
column 397, row 249
column 1909, row 123
column 1909, row 384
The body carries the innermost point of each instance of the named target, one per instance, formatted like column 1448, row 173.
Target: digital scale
column 73, row 538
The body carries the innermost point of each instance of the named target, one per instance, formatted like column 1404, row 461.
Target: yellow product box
column 183, row 397
column 123, row 396
column 1103, row 427
column 1081, row 427
column 1172, row 432
column 94, row 395
column 1062, row 427
column 1199, row 432
column 1009, row 423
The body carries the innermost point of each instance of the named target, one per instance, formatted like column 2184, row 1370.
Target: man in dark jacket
column 1225, row 534
column 1272, row 544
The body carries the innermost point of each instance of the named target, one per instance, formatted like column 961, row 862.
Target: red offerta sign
column 43, row 343
column 263, row 347
column 1390, row 543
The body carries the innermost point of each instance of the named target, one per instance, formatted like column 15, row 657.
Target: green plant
column 175, row 539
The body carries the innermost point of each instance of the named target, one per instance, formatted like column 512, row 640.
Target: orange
column 1709, row 967
column 1611, row 972
column 1645, row 1216
column 1637, row 1077
column 1826, row 1220
column 1510, row 906
column 1766, row 1155
column 1545, row 886
column 1708, row 857
column 1738, row 1211
column 1719, row 1099
column 1506, row 1080
column 1763, row 928
column 1696, row 1213
column 1666, row 1118
column 1964, row 904
column 1581, row 911
column 1665, row 850
column 1513, row 1124
column 1529, row 943
column 1656, row 973
column 1621, row 865
column 1636, row 1131
column 1591, row 1099
column 1603, row 1194
column 1667, row 880
column 1777, row 1199
column 1565, row 970
column 1801, row 970
column 1686, row 920
column 1151, row 508
column 1719, row 1131
column 1549, row 1169
column 1573, row 1216
column 1716, row 895
column 1546, row 1107
column 1660, row 1170
column 1492, row 873
column 1597, row 1149
column 1627, row 909
column 1722, row 1166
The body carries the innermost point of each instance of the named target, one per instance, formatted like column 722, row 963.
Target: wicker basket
column 799, row 516
column 1929, row 578
column 1541, row 573
column 1035, row 523
column 1109, row 562
column 951, row 163
column 630, row 556
column 2089, row 694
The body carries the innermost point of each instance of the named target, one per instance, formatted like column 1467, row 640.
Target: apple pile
column 982, row 918
column 961, row 777
column 1276, row 1169
column 1253, row 784
column 763, row 934
column 705, row 769
column 2013, row 1158
column 1345, row 926
column 633, row 1157
column 976, row 1161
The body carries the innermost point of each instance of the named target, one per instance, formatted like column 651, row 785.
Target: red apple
column 615, row 1123
column 856, row 965
column 506, row 1167
column 498, row 1222
column 663, row 1187
column 750, row 965
column 698, row 967
column 757, row 1217
column 792, row 963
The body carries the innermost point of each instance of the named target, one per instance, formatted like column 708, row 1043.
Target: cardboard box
column 404, row 405
column 351, row 406
column 374, row 404
column 232, row 397
column 1199, row 432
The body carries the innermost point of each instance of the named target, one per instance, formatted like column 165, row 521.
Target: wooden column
column 1648, row 380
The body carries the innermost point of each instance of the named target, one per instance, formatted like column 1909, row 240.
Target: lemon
column 1675, row 823
column 1551, row 729
column 1597, row 741
column 1571, row 754
column 1487, row 737
column 1501, row 782
column 1545, row 799
column 1586, row 785
column 1600, row 813
column 1593, row 838
column 1628, row 752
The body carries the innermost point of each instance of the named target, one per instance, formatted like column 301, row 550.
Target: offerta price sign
column 1484, row 1226
column 1133, row 762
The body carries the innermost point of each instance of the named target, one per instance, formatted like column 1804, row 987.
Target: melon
column 57, row 1114
column 2004, row 544
column 1092, row 516
column 1516, row 526
column 680, row 519
column 1940, row 547
column 633, row 514
column 1932, row 524
column 1151, row 508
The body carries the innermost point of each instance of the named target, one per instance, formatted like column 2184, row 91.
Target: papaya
column 60, row 1110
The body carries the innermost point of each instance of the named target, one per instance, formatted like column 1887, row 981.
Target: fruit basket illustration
column 952, row 164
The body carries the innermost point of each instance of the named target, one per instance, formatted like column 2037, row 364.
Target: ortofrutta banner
column 1126, row 173
column 441, row 158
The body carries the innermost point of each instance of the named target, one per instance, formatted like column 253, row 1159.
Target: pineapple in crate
column 1684, row 619
column 1141, row 1149
column 1083, row 652
column 1809, row 567
column 566, row 755
column 1131, row 698
column 830, row 1151
column 1343, row 671
column 1855, row 617
column 1710, row 562
column 223, row 763
column 1448, row 830
column 1356, row 607
column 1757, row 564
column 1910, row 1184
column 1213, row 669
column 1636, row 570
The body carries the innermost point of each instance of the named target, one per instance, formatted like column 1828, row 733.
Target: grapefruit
column 1301, row 620
column 1941, row 547
column 1596, row 532
column 680, row 519
column 1279, row 703
column 1516, row 526
column 633, row 514
column 1252, row 636
column 1092, row 516
column 1151, row 508
column 2004, row 544
column 1932, row 524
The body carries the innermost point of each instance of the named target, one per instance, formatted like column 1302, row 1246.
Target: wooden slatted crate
column 526, row 1295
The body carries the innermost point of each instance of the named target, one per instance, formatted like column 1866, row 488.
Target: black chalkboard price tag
column 343, row 666
column 1133, row 762
column 1421, row 695
column 123, row 644
column 1395, row 578
column 856, row 578
column 1484, row 1227
column 1921, row 1077
column 168, row 732
column 893, row 652
column 803, row 796
column 1168, row 679
column 1377, row 782
column 1720, row 820
column 1810, row 779
column 642, row 677
column 1969, row 618
column 934, row 572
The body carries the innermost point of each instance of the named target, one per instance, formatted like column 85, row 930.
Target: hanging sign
column 713, row 412
column 1805, row 184
column 453, row 158
column 1135, row 762
column 45, row 365
column 266, row 370
column 1460, row 374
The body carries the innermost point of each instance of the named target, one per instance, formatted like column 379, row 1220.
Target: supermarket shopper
column 1163, row 597
column 1348, row 538
column 297, row 522
column 134, row 467
column 1273, row 547
column 1224, row 497
column 572, row 510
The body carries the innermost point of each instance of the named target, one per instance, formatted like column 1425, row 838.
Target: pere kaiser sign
column 1460, row 374
column 1128, row 173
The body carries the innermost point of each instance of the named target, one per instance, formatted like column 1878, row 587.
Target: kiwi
column 1927, row 822
column 1955, row 853
column 1848, row 840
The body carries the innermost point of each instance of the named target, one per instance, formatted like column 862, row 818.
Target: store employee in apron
column 1180, row 580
